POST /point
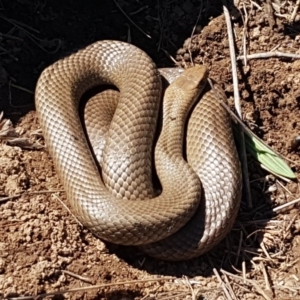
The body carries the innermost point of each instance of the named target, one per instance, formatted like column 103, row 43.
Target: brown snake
column 171, row 225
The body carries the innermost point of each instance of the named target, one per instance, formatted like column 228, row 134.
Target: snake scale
column 190, row 215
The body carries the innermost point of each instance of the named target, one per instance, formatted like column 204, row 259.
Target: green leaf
column 268, row 158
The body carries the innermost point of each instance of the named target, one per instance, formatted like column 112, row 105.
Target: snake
column 194, row 157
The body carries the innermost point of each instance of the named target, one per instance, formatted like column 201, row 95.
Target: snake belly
column 172, row 225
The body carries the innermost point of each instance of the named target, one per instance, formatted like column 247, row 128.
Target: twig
column 236, row 93
column 142, row 261
column 285, row 205
column 272, row 172
column 85, row 279
column 178, row 295
column 8, row 53
column 293, row 289
column 11, row 37
column 10, row 98
column 193, row 31
column 249, row 281
column 66, row 207
column 139, row 10
column 268, row 287
column 19, row 24
column 21, row 88
column 29, row 193
column 129, row 19
column 260, row 290
column 187, row 282
column 222, row 284
column 160, row 25
column 32, row 37
column 283, row 187
column 9, row 198
column 230, row 287
column 289, row 225
column 128, row 34
column 264, row 249
column 256, row 5
column 245, row 34
column 170, row 57
column 269, row 55
column 239, row 248
column 244, row 270
column 237, row 104
column 88, row 288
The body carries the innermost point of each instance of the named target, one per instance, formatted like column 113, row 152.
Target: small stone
column 256, row 32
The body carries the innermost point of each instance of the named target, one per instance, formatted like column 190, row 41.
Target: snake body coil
column 172, row 225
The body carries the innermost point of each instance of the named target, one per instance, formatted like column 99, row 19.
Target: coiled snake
column 171, row 225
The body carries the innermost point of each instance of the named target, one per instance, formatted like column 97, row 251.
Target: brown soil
column 41, row 242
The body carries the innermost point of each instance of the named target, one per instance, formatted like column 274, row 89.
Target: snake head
column 193, row 79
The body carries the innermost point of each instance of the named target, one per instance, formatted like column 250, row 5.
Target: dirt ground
column 42, row 247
